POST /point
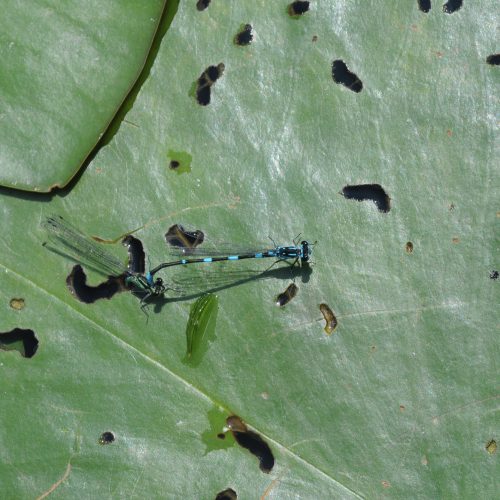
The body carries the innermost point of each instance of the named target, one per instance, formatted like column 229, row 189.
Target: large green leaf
column 400, row 401
column 66, row 68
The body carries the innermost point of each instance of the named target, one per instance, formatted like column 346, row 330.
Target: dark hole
column 221, row 435
column 178, row 236
column 205, row 81
column 493, row 59
column 213, row 73
column 424, row 5
column 252, row 442
column 202, row 4
column 284, row 298
column 174, row 164
column 341, row 74
column 23, row 341
column 136, row 255
column 17, row 303
column 373, row 192
column 77, row 285
column 298, row 8
column 203, row 95
column 106, row 438
column 452, row 6
column 244, row 37
column 494, row 275
column 228, row 494
column 409, row 247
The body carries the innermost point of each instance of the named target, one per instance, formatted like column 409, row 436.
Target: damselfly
column 70, row 241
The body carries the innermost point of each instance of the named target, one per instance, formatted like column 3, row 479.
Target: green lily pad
column 401, row 401
column 66, row 68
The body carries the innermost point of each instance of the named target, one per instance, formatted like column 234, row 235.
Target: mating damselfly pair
column 67, row 240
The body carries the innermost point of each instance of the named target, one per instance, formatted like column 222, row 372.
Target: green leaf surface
column 66, row 68
column 402, row 400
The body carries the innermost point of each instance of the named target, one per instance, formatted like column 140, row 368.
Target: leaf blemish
column 202, row 4
column 205, row 82
column 17, row 303
column 341, row 74
column 22, row 341
column 298, row 8
column 252, row 442
column 452, row 6
column 424, row 5
column 244, row 36
column 493, row 59
column 106, row 438
column 372, row 192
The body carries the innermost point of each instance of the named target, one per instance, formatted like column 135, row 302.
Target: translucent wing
column 67, row 240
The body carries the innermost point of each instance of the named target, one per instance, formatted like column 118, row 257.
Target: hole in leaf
column 409, row 247
column 178, row 236
column 228, row 494
column 493, row 59
column 252, row 442
column 77, row 285
column 205, row 82
column 221, row 435
column 424, row 5
column 22, row 341
column 452, row 6
column 136, row 255
column 298, row 8
column 106, row 438
column 202, row 4
column 17, row 303
column 494, row 275
column 174, row 164
column 330, row 318
column 341, row 74
column 244, row 36
column 284, row 298
column 372, row 192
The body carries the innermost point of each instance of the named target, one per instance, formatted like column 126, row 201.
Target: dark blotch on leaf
column 77, row 285
column 244, row 37
column 341, row 74
column 252, row 442
column 493, row 59
column 202, row 4
column 424, row 5
column 452, row 6
column 205, row 81
column 284, row 298
column 494, row 275
column 174, row 164
column 298, row 8
column 228, row 494
column 409, row 247
column 330, row 318
column 136, row 255
column 372, row 192
column 179, row 237
column 106, row 438
column 23, row 341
